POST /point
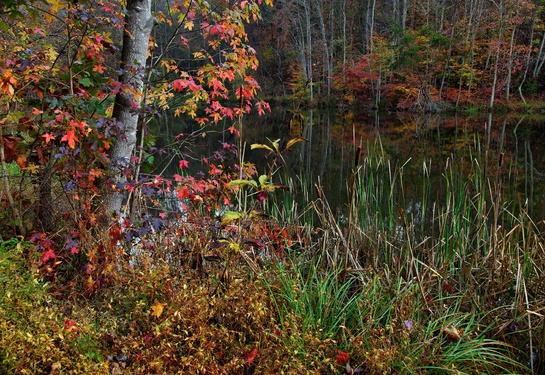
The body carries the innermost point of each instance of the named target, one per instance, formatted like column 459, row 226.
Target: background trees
column 409, row 54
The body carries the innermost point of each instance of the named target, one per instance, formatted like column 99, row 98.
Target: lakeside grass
column 452, row 285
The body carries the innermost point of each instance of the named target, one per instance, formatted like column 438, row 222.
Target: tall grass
column 449, row 282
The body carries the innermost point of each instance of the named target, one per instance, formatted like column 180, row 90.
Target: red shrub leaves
column 250, row 356
column 342, row 358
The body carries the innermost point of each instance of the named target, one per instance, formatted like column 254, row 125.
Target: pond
column 513, row 145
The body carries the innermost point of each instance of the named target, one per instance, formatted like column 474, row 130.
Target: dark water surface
column 514, row 143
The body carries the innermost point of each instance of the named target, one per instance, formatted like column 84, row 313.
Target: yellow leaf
column 293, row 141
column 263, row 181
column 276, row 144
column 230, row 216
column 32, row 168
column 55, row 6
column 259, row 145
column 157, row 309
column 198, row 55
column 188, row 25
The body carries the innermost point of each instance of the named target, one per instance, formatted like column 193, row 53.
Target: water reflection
column 512, row 146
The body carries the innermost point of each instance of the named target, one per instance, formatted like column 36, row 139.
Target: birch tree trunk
column 310, row 62
column 511, row 57
column 528, row 56
column 326, row 51
column 497, row 59
column 139, row 23
column 540, row 59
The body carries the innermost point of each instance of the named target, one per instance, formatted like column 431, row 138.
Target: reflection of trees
column 407, row 139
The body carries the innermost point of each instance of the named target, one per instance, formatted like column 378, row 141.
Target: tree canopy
column 74, row 93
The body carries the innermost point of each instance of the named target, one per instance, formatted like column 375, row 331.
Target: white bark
column 328, row 73
column 139, row 23
column 497, row 60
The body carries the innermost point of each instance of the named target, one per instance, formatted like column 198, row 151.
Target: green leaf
column 263, row 181
column 242, row 183
column 86, row 82
column 15, row 116
column 231, row 216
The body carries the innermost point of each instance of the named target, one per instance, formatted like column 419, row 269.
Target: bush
column 37, row 336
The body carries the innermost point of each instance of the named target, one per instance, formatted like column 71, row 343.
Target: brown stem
column 7, row 187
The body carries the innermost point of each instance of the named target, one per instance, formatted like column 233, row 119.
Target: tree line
column 403, row 54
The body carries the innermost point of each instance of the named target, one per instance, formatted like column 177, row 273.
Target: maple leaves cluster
column 58, row 82
column 224, row 71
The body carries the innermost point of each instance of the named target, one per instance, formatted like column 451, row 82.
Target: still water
column 409, row 140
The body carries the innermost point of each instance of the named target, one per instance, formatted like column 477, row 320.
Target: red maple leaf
column 182, row 192
column 216, row 85
column 342, row 359
column 229, row 74
column 179, row 84
column 447, row 288
column 48, row 137
column 99, row 68
column 70, row 324
column 233, row 130
column 250, row 356
column 216, row 29
column 49, row 254
column 70, row 137
column 214, row 171
column 193, row 86
column 262, row 196
column 184, row 164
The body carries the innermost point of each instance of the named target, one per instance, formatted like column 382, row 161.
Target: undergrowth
column 454, row 285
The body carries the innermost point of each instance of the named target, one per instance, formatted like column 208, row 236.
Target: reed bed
column 448, row 282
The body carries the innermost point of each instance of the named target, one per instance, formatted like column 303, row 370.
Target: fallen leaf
column 157, row 309
column 250, row 356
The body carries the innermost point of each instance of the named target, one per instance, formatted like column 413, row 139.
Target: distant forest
column 403, row 54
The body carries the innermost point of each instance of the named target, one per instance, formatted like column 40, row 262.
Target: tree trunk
column 326, row 56
column 344, row 37
column 310, row 62
column 540, row 58
column 511, row 57
column 497, row 60
column 369, row 25
column 139, row 23
column 528, row 56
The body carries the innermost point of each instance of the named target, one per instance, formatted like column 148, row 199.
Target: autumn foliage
column 195, row 274
column 402, row 55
